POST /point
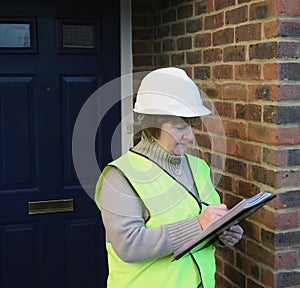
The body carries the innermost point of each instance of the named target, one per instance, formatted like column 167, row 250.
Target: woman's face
column 175, row 137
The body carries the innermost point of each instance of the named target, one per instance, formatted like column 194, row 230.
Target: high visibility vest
column 167, row 201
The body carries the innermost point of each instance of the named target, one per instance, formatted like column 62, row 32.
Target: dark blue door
column 53, row 56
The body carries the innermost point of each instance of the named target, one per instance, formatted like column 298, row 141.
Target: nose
column 188, row 133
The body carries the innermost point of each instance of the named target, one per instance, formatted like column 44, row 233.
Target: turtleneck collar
column 154, row 151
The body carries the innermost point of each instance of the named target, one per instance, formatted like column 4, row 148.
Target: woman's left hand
column 232, row 236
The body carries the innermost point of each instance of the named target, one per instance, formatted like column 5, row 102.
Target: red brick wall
column 244, row 54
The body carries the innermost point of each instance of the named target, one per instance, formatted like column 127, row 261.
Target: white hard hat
column 169, row 91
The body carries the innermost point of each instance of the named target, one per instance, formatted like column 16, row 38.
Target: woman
column 150, row 198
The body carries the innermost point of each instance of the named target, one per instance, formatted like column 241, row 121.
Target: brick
column 162, row 60
column 251, row 112
column 178, row 29
column 260, row 254
column 212, row 91
column 234, row 91
column 194, row 25
column 224, row 36
column 142, row 7
column 234, row 275
column 141, row 21
column 294, row 157
column 177, row 59
column 236, row 167
column 288, row 279
column 141, row 47
column 225, row 109
column 157, row 47
column 287, row 239
column 202, row 40
column 248, row 266
column 220, row 4
column 213, row 124
column 289, row 28
column 185, row 11
column 230, row 146
column 289, row 7
column 289, row 50
column 263, row 10
column 275, row 156
column 142, row 34
column 216, row 161
column 282, row 114
column 224, row 182
column 271, row 29
column 249, row 151
column 267, row 277
column 267, row 237
column 247, row 189
column 248, row 32
column 263, row 92
column 251, row 230
column 210, row 5
column 251, row 283
column 169, row 16
column 201, row 7
column 221, row 282
column 265, row 216
column 184, row 43
column 226, row 254
column 263, row 175
column 287, row 179
column 223, row 72
column 267, row 50
column 213, row 21
column 219, row 145
column 163, row 31
column 235, row 129
column 156, row 19
column 289, row 92
column 289, row 199
column 248, row 72
column 175, row 3
column 289, row 71
column 202, row 72
column 194, row 57
column 286, row 260
column 204, row 140
column 263, row 133
column 168, row 45
column 286, row 220
column 212, row 55
column 237, row 16
column 288, row 135
column 270, row 71
column 143, row 60
column 234, row 53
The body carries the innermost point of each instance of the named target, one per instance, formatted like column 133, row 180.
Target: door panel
column 21, row 256
column 17, row 165
column 51, row 230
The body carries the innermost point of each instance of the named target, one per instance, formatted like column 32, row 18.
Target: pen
column 204, row 203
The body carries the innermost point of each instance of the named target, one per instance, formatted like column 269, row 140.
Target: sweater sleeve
column 124, row 216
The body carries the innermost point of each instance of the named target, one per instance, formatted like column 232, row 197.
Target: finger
column 237, row 229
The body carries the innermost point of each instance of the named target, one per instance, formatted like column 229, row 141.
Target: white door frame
column 126, row 81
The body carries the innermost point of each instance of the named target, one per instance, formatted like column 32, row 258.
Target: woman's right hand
column 211, row 214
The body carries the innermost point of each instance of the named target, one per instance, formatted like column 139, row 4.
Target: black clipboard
column 237, row 213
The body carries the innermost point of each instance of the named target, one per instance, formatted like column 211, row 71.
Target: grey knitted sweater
column 124, row 214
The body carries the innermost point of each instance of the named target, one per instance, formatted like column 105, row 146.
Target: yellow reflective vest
column 167, row 201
